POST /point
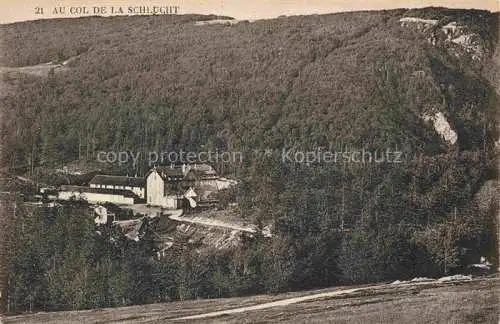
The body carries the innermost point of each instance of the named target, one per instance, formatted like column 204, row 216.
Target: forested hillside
column 338, row 82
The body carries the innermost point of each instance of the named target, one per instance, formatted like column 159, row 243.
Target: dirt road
column 471, row 301
column 283, row 302
column 289, row 301
column 209, row 222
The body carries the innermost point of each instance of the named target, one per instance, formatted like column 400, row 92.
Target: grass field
column 464, row 302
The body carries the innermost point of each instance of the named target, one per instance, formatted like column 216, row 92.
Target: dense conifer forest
column 333, row 82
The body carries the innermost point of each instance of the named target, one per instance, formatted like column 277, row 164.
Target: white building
column 97, row 195
column 164, row 187
column 181, row 186
column 133, row 184
column 172, row 187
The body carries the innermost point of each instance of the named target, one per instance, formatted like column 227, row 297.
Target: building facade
column 97, row 195
column 164, row 187
column 181, row 186
column 133, row 184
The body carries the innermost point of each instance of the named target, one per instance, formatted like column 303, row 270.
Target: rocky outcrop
column 457, row 38
column 442, row 127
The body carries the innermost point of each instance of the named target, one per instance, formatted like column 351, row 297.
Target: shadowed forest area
column 333, row 82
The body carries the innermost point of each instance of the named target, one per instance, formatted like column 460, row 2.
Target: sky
column 20, row 10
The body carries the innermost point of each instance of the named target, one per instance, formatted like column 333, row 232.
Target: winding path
column 177, row 216
column 295, row 300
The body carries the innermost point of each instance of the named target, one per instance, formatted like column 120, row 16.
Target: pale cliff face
column 454, row 37
column 442, row 127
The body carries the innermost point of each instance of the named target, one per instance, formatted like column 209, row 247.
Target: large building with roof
column 134, row 184
column 165, row 187
column 180, row 186
column 172, row 187
column 97, row 195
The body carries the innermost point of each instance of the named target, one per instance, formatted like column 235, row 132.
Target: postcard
column 223, row 161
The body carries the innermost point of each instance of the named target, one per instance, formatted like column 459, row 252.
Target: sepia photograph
column 273, row 161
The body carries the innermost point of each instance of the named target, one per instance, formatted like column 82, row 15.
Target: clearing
column 474, row 301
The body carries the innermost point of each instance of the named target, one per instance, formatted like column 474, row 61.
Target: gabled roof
column 185, row 172
column 132, row 229
column 168, row 173
column 203, row 174
column 201, row 169
column 109, row 180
